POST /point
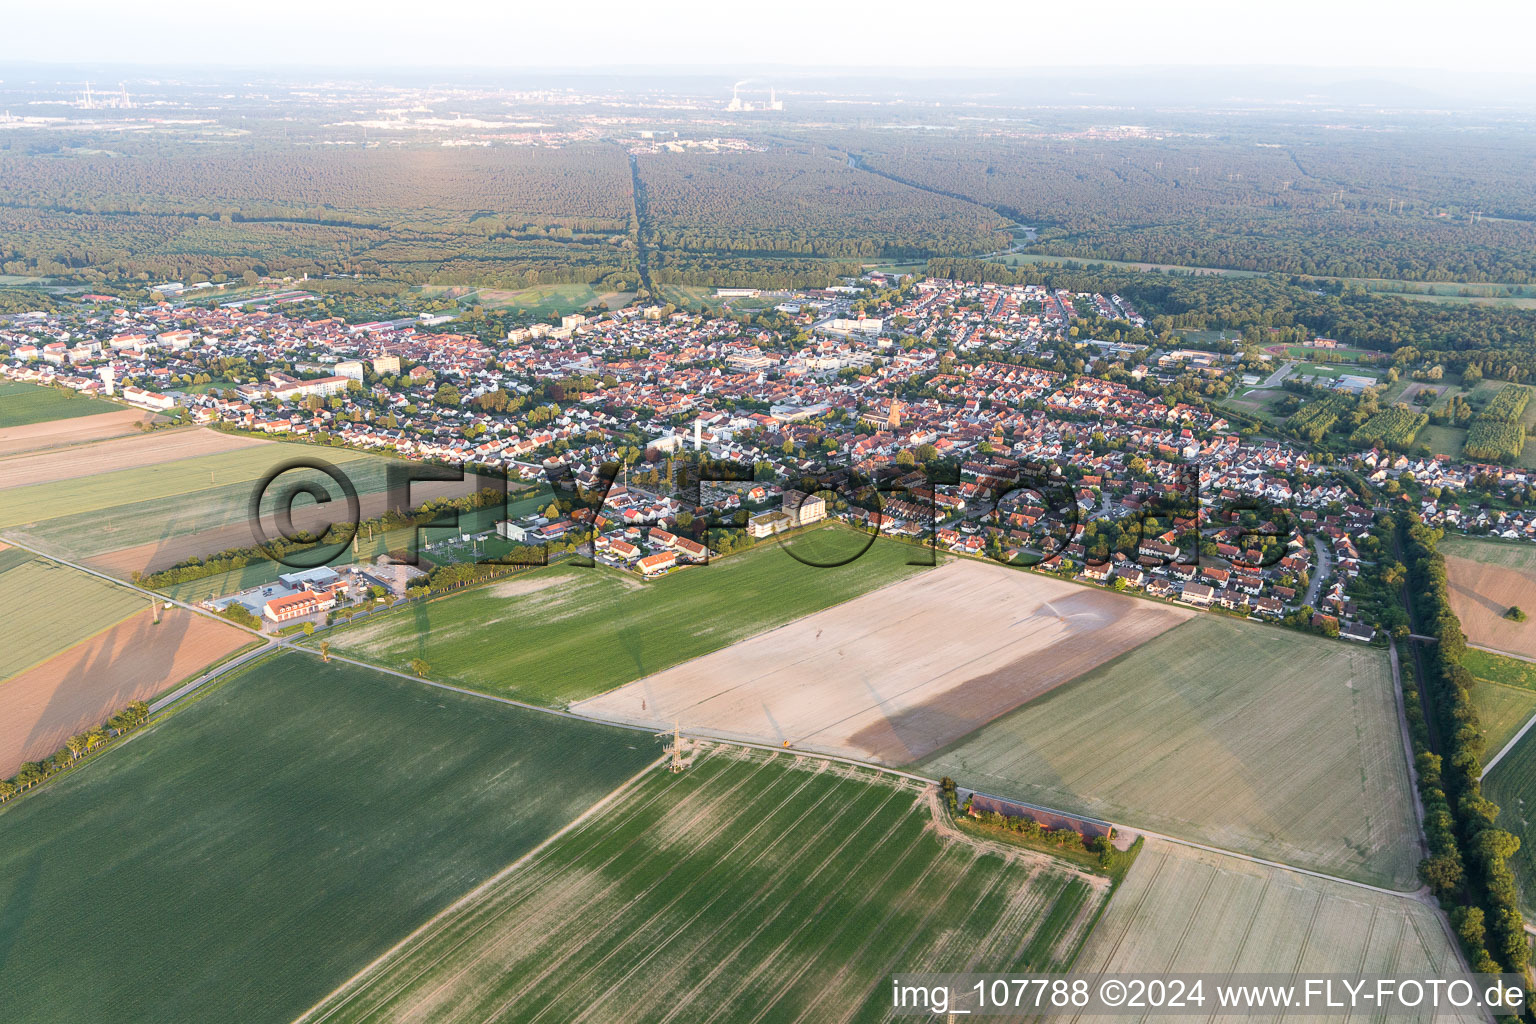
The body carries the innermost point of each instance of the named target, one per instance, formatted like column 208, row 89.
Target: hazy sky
column 1480, row 35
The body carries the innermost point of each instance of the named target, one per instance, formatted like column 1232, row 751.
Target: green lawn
column 22, row 403
column 542, row 301
column 46, row 607
column 748, row 887
column 1442, row 440
column 1249, row 738
column 245, row 856
column 562, row 634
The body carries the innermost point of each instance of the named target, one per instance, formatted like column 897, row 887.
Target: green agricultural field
column 22, row 403
column 47, row 607
column 1187, row 910
column 1511, row 554
column 167, row 485
column 563, row 634
column 247, row 855
column 1512, row 785
column 1501, row 710
column 749, row 887
column 542, row 301
column 1500, row 669
column 1250, row 738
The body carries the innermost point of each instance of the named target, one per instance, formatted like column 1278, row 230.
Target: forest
column 1431, row 205
column 793, row 203
column 504, row 216
column 1492, row 342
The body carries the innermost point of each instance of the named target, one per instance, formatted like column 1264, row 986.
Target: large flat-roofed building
column 804, row 509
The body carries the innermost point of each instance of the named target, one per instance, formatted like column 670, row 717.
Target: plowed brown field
column 1480, row 595
column 85, row 685
column 53, row 433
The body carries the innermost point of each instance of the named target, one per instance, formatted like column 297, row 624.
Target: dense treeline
column 1394, row 427
column 1470, row 876
column 1314, row 419
column 1497, row 434
column 33, row 772
column 230, row 559
column 1386, row 205
column 1489, row 341
column 784, row 202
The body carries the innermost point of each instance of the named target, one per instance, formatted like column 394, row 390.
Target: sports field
column 1246, row 737
column 1186, row 910
column 1486, row 579
column 561, row 634
column 249, row 854
column 900, row 672
column 750, row 887
column 22, row 403
column 80, row 688
column 46, row 607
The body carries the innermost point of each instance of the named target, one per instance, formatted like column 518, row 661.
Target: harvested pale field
column 750, row 887
column 1186, row 910
column 56, row 433
column 85, row 685
column 1245, row 737
column 900, row 672
column 1481, row 592
column 118, row 454
column 46, row 607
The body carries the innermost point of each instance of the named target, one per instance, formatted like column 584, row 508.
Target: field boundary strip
column 469, row 897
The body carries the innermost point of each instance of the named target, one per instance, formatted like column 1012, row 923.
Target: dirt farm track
column 899, row 672
column 1482, row 592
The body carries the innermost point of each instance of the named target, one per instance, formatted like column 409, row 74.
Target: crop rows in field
column 1246, row 737
column 1186, row 910
column 1512, row 785
column 243, row 857
column 46, row 607
column 751, row 887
